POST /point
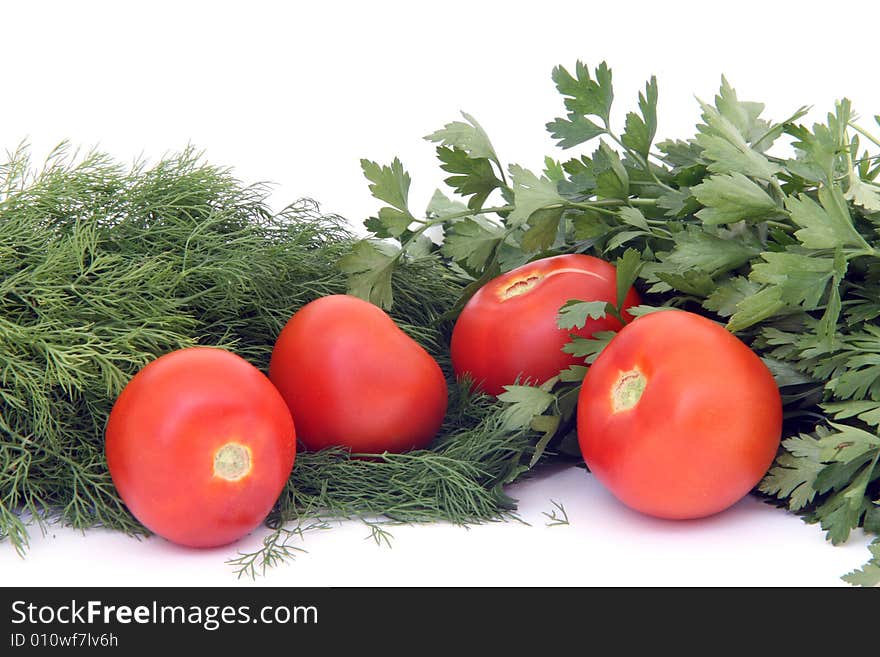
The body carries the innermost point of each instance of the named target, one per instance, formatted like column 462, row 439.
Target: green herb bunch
column 104, row 267
column 768, row 226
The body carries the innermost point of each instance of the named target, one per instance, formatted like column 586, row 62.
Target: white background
column 297, row 93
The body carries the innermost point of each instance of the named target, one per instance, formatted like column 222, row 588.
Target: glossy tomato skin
column 507, row 330
column 704, row 430
column 352, row 378
column 164, row 439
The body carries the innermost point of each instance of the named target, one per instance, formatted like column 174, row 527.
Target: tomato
column 677, row 417
column 352, row 378
column 507, row 330
column 199, row 445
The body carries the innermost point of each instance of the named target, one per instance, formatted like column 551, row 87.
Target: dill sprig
column 557, row 516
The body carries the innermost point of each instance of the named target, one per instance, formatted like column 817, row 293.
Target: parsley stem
column 639, row 158
column 501, row 171
column 781, row 225
column 855, row 253
column 436, row 221
column 867, row 158
column 495, row 210
column 611, row 202
column 865, row 133
column 425, row 224
column 777, row 190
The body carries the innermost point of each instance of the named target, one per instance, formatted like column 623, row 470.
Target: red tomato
column 507, row 330
column 199, row 445
column 352, row 378
column 677, row 417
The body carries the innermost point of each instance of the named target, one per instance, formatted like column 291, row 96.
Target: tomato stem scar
column 627, row 390
column 520, row 287
column 530, row 281
column 232, row 461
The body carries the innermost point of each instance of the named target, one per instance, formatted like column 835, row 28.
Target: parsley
column 780, row 240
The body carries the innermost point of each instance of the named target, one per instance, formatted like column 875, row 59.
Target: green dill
column 104, row 267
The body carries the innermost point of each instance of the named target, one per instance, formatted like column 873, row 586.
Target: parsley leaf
column 473, row 177
column 391, row 185
column 825, row 226
column 703, row 251
column 728, row 294
column 585, row 96
column 640, row 130
column 634, row 217
column 589, row 348
column 792, row 478
column 588, row 225
column 801, row 279
column 682, row 154
column 370, row 266
column 468, row 137
column 864, row 194
column 612, row 179
column 733, row 155
column 440, row 206
column 543, row 229
column 621, row 238
column 574, row 130
column 530, row 193
column 867, row 411
column 869, row 574
column 732, row 197
column 743, row 115
column 757, row 307
column 725, row 134
column 522, row 403
column 693, row 282
column 471, row 242
column 628, row 267
column 575, row 313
